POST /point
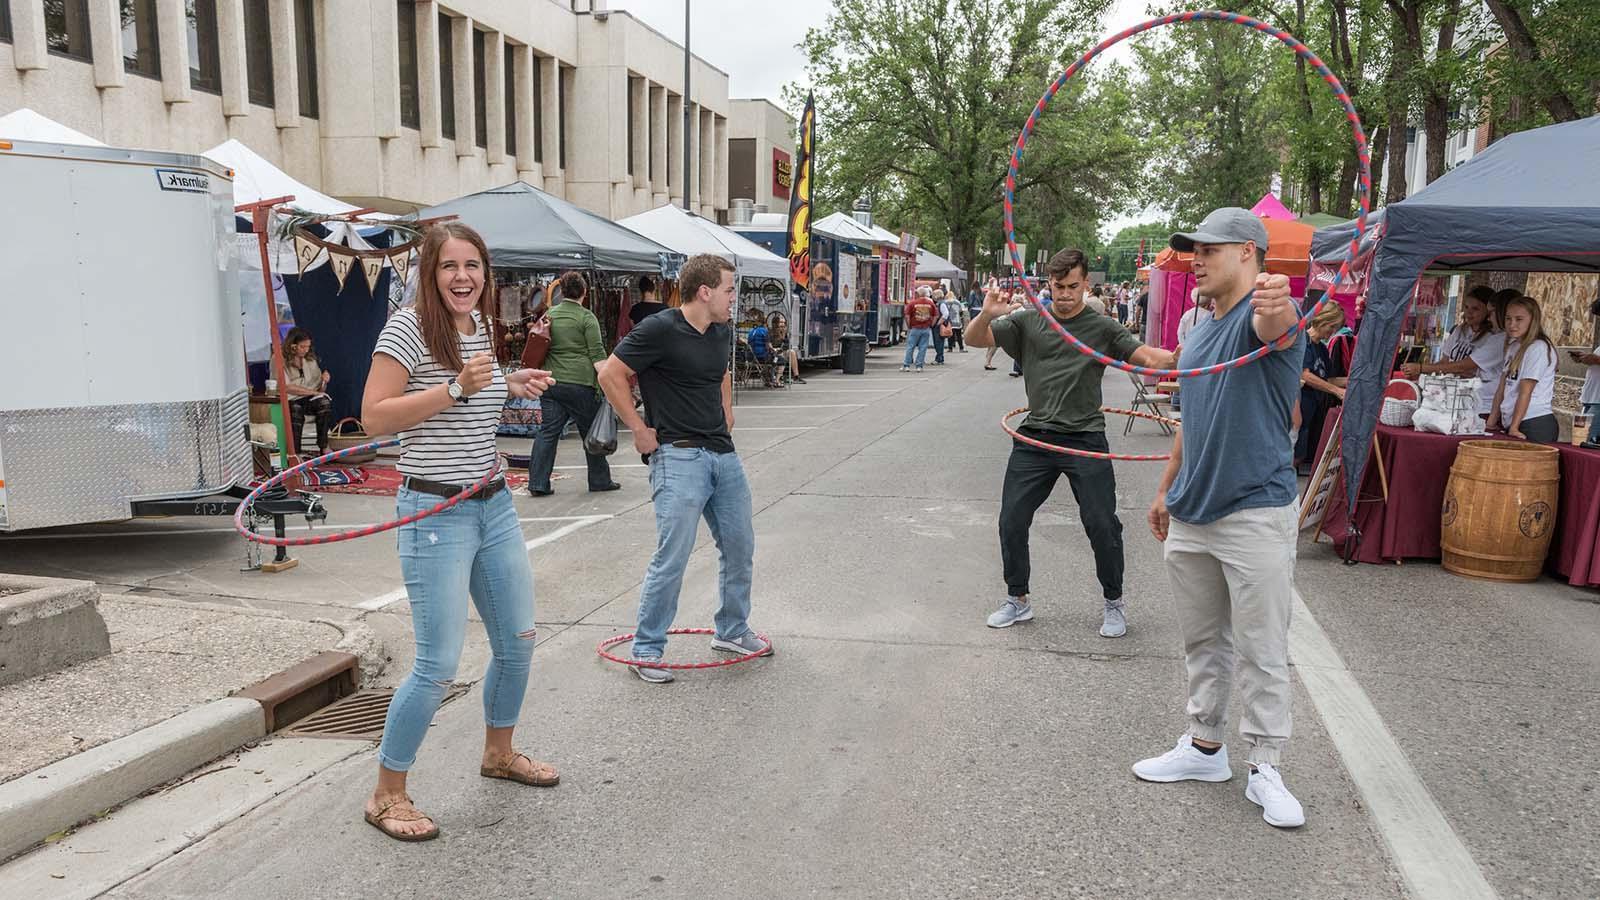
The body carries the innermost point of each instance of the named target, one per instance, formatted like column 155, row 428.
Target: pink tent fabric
column 1270, row 207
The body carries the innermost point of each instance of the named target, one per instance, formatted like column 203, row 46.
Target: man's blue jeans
column 687, row 483
column 475, row 549
column 917, row 341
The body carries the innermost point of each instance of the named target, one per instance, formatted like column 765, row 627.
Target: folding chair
column 1150, row 403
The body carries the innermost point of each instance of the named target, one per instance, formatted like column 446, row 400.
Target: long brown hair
column 438, row 325
column 1534, row 335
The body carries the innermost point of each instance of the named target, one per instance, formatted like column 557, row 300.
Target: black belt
column 690, row 444
column 441, row 489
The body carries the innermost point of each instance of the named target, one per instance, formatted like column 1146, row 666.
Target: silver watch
column 454, row 387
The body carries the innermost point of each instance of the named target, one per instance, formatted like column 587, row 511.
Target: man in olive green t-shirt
column 1064, row 399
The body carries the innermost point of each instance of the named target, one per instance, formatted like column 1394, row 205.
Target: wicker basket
column 1397, row 411
column 339, row 439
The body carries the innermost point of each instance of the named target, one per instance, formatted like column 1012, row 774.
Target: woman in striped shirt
column 434, row 380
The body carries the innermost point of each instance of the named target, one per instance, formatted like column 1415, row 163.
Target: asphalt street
column 895, row 746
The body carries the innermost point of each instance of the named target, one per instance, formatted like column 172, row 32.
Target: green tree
column 1549, row 67
column 1208, row 101
column 919, row 103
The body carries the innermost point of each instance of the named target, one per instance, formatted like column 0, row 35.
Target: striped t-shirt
column 457, row 445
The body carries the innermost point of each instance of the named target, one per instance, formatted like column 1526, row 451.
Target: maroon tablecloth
column 1407, row 525
column 1418, row 465
column 1575, row 546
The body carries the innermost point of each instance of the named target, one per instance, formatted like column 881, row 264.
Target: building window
column 141, row 53
column 305, row 55
column 650, row 136
column 258, row 51
column 561, row 118
column 447, row 77
column 538, row 110
column 632, row 124
column 480, row 85
column 5, row 22
column 205, row 65
column 410, row 105
column 510, row 94
column 66, row 28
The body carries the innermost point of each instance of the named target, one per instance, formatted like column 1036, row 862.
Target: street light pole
column 688, row 141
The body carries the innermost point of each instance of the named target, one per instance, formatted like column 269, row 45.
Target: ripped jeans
column 476, row 548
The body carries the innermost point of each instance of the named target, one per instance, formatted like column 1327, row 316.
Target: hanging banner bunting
column 799, row 240
column 305, row 251
column 341, row 266
column 402, row 264
column 372, row 268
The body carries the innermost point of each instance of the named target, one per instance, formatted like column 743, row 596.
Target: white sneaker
column 1184, row 763
column 1279, row 807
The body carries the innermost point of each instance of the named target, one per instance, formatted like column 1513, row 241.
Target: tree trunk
column 1520, row 39
column 963, row 252
column 1436, row 100
column 1380, row 153
column 1344, row 196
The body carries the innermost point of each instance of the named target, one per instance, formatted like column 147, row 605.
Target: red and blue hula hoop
column 1363, row 153
column 281, row 477
column 1005, row 424
column 604, row 649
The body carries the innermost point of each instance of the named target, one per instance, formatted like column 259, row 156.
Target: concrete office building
column 761, row 140
column 387, row 103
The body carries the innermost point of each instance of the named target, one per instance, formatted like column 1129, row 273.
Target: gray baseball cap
column 1228, row 225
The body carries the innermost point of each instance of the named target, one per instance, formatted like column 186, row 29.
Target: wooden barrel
column 1500, row 509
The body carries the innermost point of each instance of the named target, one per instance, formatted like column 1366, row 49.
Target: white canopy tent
column 932, row 265
column 690, row 234
column 255, row 179
column 26, row 125
column 843, row 227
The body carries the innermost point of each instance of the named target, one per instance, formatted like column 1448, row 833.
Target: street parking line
column 1426, row 849
column 575, row 523
column 163, row 532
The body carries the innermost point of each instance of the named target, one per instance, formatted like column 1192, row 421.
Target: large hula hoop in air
column 1363, row 153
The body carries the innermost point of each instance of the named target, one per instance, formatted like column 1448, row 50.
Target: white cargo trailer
column 122, row 374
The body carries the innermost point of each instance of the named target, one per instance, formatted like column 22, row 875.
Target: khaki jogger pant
column 1233, row 585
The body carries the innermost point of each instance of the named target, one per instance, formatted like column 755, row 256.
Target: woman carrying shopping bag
column 575, row 351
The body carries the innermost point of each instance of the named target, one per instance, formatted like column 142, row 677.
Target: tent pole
column 259, row 221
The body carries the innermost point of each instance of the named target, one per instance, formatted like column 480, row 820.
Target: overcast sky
column 754, row 41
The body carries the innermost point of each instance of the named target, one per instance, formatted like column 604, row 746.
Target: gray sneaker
column 743, row 645
column 1013, row 612
column 1115, row 624
column 650, row 673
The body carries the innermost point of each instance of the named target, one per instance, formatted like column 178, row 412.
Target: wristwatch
column 454, row 388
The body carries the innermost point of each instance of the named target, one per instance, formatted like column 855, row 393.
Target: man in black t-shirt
column 681, row 357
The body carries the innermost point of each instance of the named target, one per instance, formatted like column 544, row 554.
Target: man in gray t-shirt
column 1226, row 511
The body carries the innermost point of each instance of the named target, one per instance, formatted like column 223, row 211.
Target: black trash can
column 853, row 353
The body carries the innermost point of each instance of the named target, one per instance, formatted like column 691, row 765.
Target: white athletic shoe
column 1279, row 807
column 1184, row 763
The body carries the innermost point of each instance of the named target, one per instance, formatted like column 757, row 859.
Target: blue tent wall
column 344, row 326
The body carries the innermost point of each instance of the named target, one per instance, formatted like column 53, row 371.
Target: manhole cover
column 358, row 717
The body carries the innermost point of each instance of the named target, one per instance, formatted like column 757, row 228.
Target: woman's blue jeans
column 474, row 548
column 687, row 483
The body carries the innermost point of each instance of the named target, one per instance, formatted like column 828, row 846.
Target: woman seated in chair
column 778, row 352
column 307, row 385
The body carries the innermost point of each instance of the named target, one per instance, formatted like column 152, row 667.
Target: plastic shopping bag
column 602, row 437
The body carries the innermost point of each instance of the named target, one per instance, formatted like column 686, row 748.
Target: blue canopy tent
column 1529, row 203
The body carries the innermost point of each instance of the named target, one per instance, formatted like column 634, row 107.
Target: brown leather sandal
column 408, row 813
column 544, row 774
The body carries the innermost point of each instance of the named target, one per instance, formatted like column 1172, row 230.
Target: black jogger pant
column 1031, row 475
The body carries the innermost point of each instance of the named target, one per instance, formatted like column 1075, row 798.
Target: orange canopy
column 1288, row 250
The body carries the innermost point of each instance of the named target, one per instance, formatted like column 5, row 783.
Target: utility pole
column 688, row 139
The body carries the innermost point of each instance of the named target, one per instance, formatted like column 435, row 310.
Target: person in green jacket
column 575, row 352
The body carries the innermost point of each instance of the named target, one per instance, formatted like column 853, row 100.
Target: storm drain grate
column 358, row 717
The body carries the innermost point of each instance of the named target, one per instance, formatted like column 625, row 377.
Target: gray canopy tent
column 1529, row 203
column 527, row 228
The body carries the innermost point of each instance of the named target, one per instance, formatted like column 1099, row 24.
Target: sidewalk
column 150, row 696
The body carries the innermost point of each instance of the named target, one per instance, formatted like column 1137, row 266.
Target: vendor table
column 1407, row 526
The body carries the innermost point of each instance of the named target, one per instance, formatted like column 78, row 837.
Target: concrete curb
column 62, row 794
